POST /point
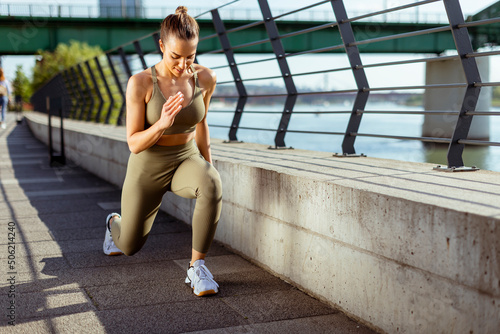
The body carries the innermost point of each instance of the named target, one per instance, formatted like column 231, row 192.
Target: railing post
column 472, row 76
column 352, row 52
column 71, row 94
column 108, row 90
column 120, row 89
column 123, row 57
column 279, row 51
column 156, row 39
column 242, row 93
column 96, row 86
column 80, row 98
column 138, row 49
column 52, row 104
column 90, row 103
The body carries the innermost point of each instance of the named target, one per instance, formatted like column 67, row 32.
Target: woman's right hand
column 169, row 110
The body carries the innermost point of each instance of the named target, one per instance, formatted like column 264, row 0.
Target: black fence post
column 242, row 93
column 97, row 90
column 80, row 99
column 352, row 52
column 71, row 94
column 89, row 105
column 108, row 90
column 120, row 89
column 55, row 103
column 464, row 47
column 138, row 49
column 156, row 39
column 279, row 51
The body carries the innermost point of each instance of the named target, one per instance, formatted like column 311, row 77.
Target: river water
column 400, row 125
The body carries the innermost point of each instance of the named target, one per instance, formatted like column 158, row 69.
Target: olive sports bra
column 186, row 119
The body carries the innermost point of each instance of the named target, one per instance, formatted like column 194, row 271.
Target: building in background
column 120, row 8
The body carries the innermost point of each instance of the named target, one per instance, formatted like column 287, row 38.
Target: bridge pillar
column 450, row 99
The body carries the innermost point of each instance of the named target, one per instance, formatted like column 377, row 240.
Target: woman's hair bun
column 181, row 10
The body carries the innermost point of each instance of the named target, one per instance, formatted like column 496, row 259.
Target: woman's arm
column 208, row 81
column 139, row 139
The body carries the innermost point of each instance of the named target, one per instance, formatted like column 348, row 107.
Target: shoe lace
column 202, row 272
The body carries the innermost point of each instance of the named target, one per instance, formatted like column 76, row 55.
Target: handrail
column 105, row 77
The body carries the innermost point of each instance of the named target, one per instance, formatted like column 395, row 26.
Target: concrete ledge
column 395, row 244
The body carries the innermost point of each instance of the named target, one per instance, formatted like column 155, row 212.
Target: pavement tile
column 78, row 323
column 337, row 323
column 176, row 317
column 24, row 326
column 278, row 305
column 43, row 304
column 162, row 291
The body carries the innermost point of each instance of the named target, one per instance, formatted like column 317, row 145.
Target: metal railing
column 231, row 13
column 95, row 90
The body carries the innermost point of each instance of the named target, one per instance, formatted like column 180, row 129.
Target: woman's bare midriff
column 174, row 140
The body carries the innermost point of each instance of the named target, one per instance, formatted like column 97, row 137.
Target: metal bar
column 300, row 9
column 403, row 35
column 423, row 139
column 352, row 52
column 308, row 30
column 79, row 90
column 156, row 39
column 138, row 50
column 329, row 48
column 69, row 89
column 482, row 54
column 483, row 113
column 486, row 84
column 411, row 61
column 279, row 51
column 120, row 89
column 97, row 90
column 90, row 98
column 480, row 22
column 453, row 85
column 478, row 142
column 242, row 99
column 464, row 46
column 125, row 62
column 409, row 112
column 394, row 9
column 246, row 26
column 108, row 90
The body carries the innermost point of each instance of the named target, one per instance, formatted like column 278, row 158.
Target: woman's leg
column 143, row 190
column 196, row 178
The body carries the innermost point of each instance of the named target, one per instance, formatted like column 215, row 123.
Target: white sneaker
column 201, row 279
column 4, row 126
column 109, row 246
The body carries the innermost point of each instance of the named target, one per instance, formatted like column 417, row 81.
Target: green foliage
column 495, row 100
column 21, row 84
column 63, row 57
column 496, row 93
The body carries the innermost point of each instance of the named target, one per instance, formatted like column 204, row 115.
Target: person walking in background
column 167, row 106
column 4, row 98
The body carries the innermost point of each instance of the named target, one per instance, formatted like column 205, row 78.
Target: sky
column 339, row 80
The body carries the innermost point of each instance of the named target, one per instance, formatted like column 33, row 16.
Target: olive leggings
column 150, row 174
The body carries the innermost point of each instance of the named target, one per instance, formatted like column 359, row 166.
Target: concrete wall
column 395, row 244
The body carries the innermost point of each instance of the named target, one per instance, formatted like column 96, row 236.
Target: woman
column 160, row 135
column 4, row 98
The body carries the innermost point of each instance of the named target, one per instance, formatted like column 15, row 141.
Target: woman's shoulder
column 141, row 80
column 206, row 76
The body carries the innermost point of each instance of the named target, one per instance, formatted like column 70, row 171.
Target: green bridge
column 24, row 35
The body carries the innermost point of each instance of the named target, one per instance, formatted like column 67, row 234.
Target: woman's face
column 178, row 54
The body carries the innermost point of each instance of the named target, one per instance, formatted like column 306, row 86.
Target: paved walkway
column 61, row 281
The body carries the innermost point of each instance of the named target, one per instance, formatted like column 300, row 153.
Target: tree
column 21, row 84
column 63, row 57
